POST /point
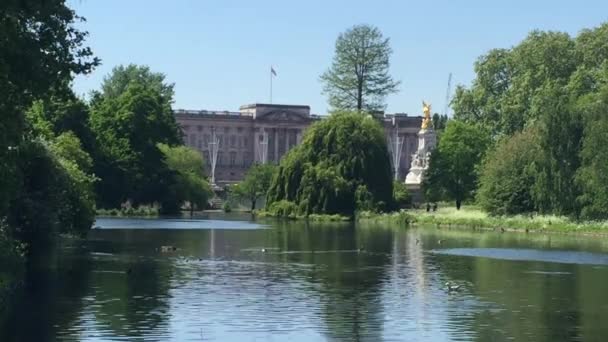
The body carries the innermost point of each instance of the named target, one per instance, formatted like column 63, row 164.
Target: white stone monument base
column 414, row 177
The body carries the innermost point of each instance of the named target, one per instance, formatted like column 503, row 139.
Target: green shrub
column 283, row 208
column 508, row 175
column 401, row 195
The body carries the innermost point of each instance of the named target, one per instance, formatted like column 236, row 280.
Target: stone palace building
column 231, row 142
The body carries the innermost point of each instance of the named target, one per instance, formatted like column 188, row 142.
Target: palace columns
column 286, row 140
column 276, row 145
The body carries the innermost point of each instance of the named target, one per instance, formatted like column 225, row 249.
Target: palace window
column 206, row 140
column 232, row 158
column 226, row 129
column 192, row 140
column 246, row 159
column 219, row 159
column 233, row 140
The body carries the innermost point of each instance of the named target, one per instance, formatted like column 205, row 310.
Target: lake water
column 231, row 279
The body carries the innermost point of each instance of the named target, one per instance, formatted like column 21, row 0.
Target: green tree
column 41, row 49
column 439, row 121
column 560, row 137
column 358, row 78
column 336, row 157
column 55, row 192
column 59, row 113
column 508, row 174
column 78, row 211
column 256, row 183
column 127, row 129
column 190, row 183
column 122, row 76
column 507, row 81
column 592, row 176
column 454, row 163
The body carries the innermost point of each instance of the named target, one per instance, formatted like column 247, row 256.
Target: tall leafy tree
column 592, row 176
column 256, row 183
column 560, row 136
column 358, row 78
column 62, row 112
column 116, row 83
column 342, row 161
column 453, row 168
column 41, row 49
column 553, row 83
column 507, row 81
column 128, row 129
column 190, row 183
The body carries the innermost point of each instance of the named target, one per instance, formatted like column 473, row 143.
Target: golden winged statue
column 426, row 109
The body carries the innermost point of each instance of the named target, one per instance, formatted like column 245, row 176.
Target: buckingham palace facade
column 263, row 133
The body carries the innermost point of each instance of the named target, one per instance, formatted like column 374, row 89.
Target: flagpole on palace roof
column 272, row 73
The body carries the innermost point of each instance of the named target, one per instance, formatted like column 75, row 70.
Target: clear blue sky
column 218, row 52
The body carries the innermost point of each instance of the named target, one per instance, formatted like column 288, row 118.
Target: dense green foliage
column 255, row 185
column 43, row 188
column 190, row 187
column 452, row 173
column 342, row 163
column 508, row 175
column 439, row 121
column 55, row 193
column 592, row 176
column 554, row 85
column 358, row 78
column 129, row 118
column 401, row 195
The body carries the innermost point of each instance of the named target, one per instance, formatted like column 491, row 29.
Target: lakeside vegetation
column 474, row 217
column 528, row 136
column 64, row 158
column 140, row 211
column 341, row 166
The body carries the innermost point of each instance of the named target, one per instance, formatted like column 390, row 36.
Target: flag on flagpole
column 272, row 71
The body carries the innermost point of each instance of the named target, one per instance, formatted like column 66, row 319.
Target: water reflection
column 312, row 282
column 521, row 254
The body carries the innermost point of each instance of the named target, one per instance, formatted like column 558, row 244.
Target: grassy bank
column 311, row 217
column 474, row 218
column 141, row 211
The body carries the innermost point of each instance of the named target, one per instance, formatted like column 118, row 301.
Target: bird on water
column 451, row 287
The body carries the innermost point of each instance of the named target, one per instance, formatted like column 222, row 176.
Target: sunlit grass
column 474, row 217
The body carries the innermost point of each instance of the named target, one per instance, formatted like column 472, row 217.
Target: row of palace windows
column 229, row 159
column 200, row 128
column 230, row 141
column 227, row 130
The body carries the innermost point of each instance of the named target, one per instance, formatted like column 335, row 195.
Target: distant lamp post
column 214, row 147
column 396, row 146
column 263, row 148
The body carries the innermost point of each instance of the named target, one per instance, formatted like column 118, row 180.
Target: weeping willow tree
column 342, row 165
